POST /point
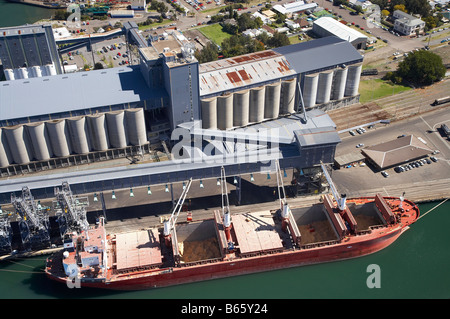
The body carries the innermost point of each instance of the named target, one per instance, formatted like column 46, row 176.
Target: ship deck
column 256, row 232
column 138, row 249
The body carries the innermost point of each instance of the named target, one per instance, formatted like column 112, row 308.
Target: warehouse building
column 396, row 152
column 327, row 26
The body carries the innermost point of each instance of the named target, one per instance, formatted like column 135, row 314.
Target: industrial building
column 71, row 119
column 327, row 26
column 29, row 51
column 396, row 152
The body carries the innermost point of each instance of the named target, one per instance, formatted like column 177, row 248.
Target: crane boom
column 170, row 224
column 340, row 199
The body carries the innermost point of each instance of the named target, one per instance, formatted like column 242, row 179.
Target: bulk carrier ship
column 229, row 244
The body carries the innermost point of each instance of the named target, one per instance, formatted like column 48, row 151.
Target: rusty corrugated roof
column 244, row 70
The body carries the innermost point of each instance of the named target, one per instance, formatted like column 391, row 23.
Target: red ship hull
column 350, row 248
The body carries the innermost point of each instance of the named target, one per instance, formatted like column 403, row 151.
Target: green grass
column 377, row 88
column 214, row 33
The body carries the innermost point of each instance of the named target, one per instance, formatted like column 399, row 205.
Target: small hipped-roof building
column 396, row 152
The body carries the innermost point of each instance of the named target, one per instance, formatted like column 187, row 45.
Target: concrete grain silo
column 241, row 108
column 98, row 132
column 40, row 141
column 257, row 98
column 272, row 100
column 209, row 113
column 339, row 80
column 59, row 137
column 78, row 135
column 287, row 104
column 5, row 153
column 310, row 89
column 324, row 87
column 353, row 77
column 225, row 112
column 117, row 131
column 19, row 144
column 136, row 132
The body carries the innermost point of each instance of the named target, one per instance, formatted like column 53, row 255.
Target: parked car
column 385, row 174
column 360, row 145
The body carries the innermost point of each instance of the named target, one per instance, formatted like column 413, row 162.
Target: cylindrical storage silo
column 324, row 87
column 352, row 83
column 37, row 71
column 50, row 68
column 31, row 72
column 257, row 97
column 59, row 137
column 23, row 73
column 17, row 74
column 272, row 100
column 209, row 113
column 79, row 136
column 40, row 141
column 339, row 79
column 137, row 134
column 5, row 153
column 310, row 89
column 9, row 74
column 225, row 112
column 117, row 131
column 98, row 132
column 288, row 88
column 241, row 108
column 18, row 142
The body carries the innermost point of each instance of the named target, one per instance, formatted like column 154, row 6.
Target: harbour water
column 413, row 267
column 14, row 14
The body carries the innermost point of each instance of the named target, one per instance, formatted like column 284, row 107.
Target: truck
column 441, row 100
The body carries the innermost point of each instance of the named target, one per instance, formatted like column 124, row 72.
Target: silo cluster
column 249, row 106
column 30, row 72
column 41, row 141
column 322, row 87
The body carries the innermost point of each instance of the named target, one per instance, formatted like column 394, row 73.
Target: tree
column 278, row 40
column 98, row 66
column 207, row 54
column 422, row 68
column 400, row 7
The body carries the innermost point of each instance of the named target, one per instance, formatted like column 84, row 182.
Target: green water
column 15, row 14
column 415, row 266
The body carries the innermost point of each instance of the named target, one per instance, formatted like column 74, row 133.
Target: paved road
column 360, row 179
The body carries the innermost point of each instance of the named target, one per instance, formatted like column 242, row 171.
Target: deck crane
column 71, row 211
column 33, row 220
column 340, row 200
column 225, row 207
column 284, row 206
column 169, row 224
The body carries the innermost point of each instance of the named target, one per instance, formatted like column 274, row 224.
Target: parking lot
column 355, row 180
column 111, row 53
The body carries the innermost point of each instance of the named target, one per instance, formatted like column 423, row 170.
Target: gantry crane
column 33, row 220
column 70, row 210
